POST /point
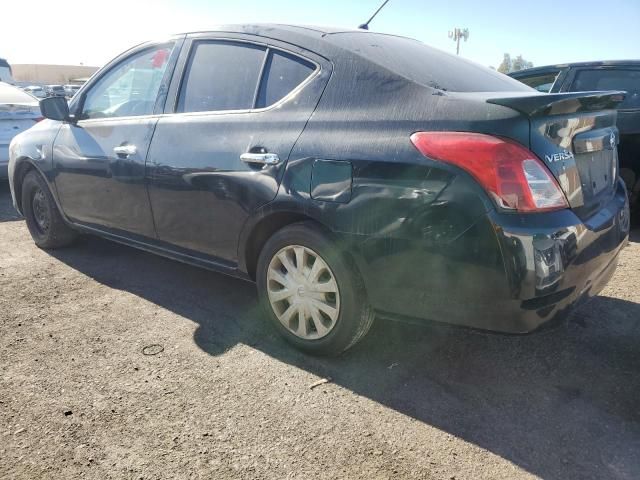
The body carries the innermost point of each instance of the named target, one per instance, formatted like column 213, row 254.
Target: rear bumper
column 554, row 262
column 507, row 273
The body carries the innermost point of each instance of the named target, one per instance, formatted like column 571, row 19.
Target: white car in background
column 19, row 111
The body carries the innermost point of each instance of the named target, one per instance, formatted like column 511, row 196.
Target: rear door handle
column 125, row 151
column 260, row 158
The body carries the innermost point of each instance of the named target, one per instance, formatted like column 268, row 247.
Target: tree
column 513, row 65
column 520, row 64
column 505, row 66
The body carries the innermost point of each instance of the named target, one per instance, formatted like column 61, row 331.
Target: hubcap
column 303, row 292
column 40, row 210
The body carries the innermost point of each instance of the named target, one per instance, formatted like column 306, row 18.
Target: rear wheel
column 46, row 225
column 310, row 293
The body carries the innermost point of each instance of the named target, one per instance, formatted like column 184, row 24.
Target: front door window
column 131, row 88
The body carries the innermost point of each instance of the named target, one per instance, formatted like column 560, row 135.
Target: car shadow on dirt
column 560, row 404
column 7, row 212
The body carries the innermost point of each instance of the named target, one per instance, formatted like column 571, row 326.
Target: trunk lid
column 575, row 135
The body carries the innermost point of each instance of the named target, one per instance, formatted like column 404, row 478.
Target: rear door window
column 221, row 75
column 627, row 79
column 282, row 74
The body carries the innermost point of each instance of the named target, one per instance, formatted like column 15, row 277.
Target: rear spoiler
column 561, row 103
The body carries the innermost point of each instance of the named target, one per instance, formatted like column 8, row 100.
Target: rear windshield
column 426, row 65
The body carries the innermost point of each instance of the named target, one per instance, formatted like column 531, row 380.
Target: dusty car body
column 423, row 186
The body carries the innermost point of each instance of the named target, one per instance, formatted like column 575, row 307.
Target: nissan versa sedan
column 349, row 174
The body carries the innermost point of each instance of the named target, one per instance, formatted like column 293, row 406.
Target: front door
column 99, row 160
column 234, row 117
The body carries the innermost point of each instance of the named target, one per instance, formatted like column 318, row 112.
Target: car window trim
column 265, row 61
column 190, row 50
column 77, row 105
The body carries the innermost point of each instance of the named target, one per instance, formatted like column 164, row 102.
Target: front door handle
column 124, row 151
column 260, row 158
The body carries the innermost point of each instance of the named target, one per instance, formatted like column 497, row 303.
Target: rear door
column 233, row 115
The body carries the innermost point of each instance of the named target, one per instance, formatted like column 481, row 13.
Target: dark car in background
column 348, row 173
column 54, row 90
column 611, row 75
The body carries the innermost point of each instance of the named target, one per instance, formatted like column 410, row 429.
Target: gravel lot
column 226, row 398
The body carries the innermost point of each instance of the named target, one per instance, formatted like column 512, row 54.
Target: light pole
column 456, row 35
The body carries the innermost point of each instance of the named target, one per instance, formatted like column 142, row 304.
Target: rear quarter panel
column 417, row 229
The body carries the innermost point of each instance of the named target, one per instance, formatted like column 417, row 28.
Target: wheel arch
column 261, row 229
column 23, row 166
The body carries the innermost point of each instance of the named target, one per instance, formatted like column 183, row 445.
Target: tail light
column 512, row 175
column 38, row 119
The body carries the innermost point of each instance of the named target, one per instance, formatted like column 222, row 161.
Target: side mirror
column 55, row 108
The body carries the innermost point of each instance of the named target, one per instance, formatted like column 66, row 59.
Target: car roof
column 559, row 66
column 277, row 28
column 287, row 32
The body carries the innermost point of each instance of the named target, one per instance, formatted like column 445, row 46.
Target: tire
column 46, row 225
column 334, row 310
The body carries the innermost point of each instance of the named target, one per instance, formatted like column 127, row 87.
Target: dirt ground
column 119, row 364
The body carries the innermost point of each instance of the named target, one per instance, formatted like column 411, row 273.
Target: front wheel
column 315, row 299
column 47, row 227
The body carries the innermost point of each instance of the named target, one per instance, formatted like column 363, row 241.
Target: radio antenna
column 365, row 26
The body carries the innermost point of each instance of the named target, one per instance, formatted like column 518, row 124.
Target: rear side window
column 611, row 79
column 221, row 76
column 542, row 82
column 282, row 74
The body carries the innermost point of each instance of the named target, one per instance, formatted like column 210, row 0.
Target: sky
column 91, row 32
